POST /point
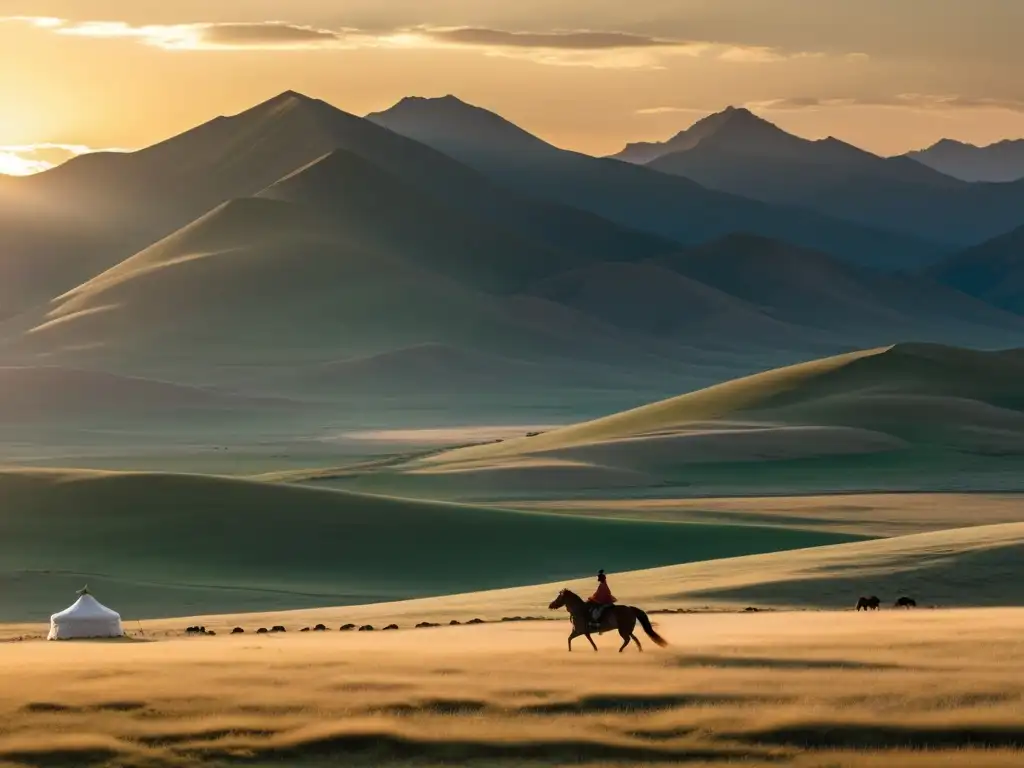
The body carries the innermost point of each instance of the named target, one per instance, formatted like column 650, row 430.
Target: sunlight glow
column 14, row 164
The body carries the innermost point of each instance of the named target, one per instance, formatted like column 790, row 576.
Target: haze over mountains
column 300, row 251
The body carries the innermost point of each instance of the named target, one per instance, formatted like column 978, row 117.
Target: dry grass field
column 822, row 689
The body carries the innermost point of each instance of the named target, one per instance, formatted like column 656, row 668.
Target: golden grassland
column 837, row 689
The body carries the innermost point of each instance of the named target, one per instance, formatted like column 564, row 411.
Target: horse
column 620, row 617
column 868, row 603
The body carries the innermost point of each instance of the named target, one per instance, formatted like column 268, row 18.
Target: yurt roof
column 86, row 607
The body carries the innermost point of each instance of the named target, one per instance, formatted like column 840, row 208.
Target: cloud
column 43, row 22
column 571, row 41
column 267, row 35
column 600, row 49
column 673, row 110
column 914, row 101
column 27, row 159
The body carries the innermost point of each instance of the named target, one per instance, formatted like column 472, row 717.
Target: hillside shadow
column 383, row 747
column 756, row 662
column 873, row 736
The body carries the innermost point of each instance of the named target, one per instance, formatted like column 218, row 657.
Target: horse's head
column 559, row 601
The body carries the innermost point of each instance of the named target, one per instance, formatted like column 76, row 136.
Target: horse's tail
column 648, row 629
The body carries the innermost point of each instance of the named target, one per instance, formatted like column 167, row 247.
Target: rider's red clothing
column 603, row 596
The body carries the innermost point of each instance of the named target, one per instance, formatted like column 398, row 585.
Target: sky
column 590, row 75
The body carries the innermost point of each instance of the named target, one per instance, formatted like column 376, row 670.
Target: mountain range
column 634, row 196
column 298, row 250
column 1001, row 161
column 736, row 151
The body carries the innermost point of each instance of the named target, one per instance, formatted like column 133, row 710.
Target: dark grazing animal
column 319, row 628
column 237, row 631
column 905, row 602
column 869, row 603
column 277, row 628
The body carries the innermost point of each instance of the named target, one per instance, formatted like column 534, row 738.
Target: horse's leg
column 626, row 622
column 574, row 634
column 587, row 635
column 639, row 647
column 625, row 640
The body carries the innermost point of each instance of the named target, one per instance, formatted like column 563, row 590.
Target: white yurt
column 86, row 618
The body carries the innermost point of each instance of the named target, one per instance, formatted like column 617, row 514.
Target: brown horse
column 620, row 617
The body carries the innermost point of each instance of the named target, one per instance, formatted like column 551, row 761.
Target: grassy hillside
column 855, row 389
column 911, row 416
column 173, row 544
column 714, row 403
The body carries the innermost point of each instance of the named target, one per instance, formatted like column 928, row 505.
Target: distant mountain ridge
column 739, row 130
column 634, row 196
column 738, row 152
column 1002, row 161
column 128, row 201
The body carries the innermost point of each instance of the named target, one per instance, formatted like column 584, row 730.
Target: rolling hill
column 899, row 401
column 992, row 271
column 266, row 546
column 738, row 152
column 632, row 195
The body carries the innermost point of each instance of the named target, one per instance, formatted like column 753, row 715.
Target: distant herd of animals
column 873, row 603
column 353, row 627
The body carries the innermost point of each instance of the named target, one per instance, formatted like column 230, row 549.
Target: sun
column 17, row 162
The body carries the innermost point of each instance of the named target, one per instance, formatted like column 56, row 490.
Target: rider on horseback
column 601, row 599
